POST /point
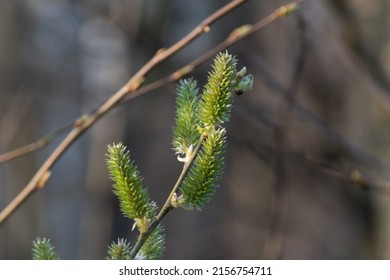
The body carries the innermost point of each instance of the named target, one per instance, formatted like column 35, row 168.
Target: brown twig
column 35, row 146
column 235, row 36
column 86, row 121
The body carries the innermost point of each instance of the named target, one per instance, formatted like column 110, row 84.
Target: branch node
column 43, row 180
column 81, row 121
column 174, row 202
column 240, row 32
column 287, row 10
column 160, row 51
column 134, row 86
column 357, row 178
column 182, row 72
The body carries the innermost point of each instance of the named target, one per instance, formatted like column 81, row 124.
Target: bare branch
column 35, row 146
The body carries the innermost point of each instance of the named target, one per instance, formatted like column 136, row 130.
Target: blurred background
column 306, row 173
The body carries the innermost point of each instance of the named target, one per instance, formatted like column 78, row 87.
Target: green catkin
column 185, row 133
column 43, row 250
column 217, row 97
column 201, row 182
column 119, row 250
column 133, row 197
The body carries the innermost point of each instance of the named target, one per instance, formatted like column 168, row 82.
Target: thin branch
column 351, row 175
column 345, row 172
column 168, row 203
column 35, row 146
column 317, row 122
column 86, row 121
column 236, row 35
column 13, row 117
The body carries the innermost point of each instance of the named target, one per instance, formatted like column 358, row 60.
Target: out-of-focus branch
column 274, row 243
column 352, row 175
column 330, row 132
column 14, row 115
column 347, row 173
